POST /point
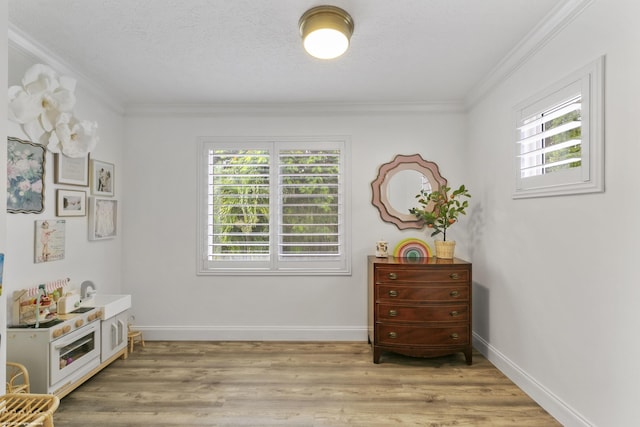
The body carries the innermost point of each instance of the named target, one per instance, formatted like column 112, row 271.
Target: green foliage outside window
column 240, row 209
column 310, row 208
column 241, row 195
column 572, row 152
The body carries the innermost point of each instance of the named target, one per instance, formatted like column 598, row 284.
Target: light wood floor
column 295, row 384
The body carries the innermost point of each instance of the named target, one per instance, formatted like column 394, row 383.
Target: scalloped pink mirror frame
column 380, row 186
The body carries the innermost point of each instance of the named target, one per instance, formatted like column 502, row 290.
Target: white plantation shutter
column 274, row 207
column 551, row 141
column 311, row 204
column 238, row 205
column 559, row 137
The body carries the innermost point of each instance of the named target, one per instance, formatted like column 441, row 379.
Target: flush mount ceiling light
column 326, row 31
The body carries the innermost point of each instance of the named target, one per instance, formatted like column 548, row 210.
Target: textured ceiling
column 249, row 51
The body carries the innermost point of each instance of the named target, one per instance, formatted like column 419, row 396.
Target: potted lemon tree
column 440, row 210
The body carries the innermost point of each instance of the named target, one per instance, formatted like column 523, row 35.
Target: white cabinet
column 114, row 335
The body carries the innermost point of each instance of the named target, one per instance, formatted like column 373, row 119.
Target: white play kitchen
column 64, row 335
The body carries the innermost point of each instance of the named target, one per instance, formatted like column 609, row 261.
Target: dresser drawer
column 416, row 336
column 458, row 292
column 425, row 313
column 388, row 274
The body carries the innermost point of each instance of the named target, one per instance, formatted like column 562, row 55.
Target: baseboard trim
column 551, row 403
column 253, row 333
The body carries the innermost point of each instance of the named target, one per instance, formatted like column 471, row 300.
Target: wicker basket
column 445, row 249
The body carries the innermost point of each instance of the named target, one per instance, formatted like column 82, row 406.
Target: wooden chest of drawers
column 419, row 307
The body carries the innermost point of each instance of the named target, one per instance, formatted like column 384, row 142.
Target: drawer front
column 387, row 274
column 415, row 336
column 438, row 313
column 422, row 293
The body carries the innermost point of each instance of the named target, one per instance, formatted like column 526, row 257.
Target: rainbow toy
column 412, row 249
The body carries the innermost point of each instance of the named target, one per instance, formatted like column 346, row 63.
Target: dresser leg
column 376, row 354
column 467, row 356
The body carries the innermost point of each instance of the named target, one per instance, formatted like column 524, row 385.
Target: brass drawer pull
column 454, row 276
column 454, row 313
column 393, row 313
column 393, row 335
column 393, row 276
column 393, row 293
column 454, row 336
column 454, row 294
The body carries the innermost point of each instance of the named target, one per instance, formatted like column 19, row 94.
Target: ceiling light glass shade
column 326, row 31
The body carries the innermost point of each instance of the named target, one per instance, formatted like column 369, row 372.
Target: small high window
column 559, row 137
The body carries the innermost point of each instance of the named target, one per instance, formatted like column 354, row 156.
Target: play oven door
column 72, row 352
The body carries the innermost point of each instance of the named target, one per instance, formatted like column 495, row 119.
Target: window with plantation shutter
column 273, row 207
column 559, row 137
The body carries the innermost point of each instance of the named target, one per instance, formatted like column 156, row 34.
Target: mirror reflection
column 403, row 187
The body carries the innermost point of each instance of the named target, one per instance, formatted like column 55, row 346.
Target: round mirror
column 398, row 183
column 402, row 190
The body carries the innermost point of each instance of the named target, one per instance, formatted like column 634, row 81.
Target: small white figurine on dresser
column 382, row 248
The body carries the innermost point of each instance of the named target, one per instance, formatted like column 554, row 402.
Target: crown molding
column 19, row 41
column 557, row 19
column 149, row 110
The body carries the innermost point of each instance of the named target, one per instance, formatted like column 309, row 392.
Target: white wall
column 99, row 261
column 160, row 225
column 556, row 285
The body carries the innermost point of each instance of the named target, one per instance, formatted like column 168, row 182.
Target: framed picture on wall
column 50, row 236
column 71, row 203
column 72, row 171
column 25, row 176
column 102, row 178
column 103, row 218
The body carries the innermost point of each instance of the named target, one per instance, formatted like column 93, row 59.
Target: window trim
column 201, row 227
column 590, row 177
